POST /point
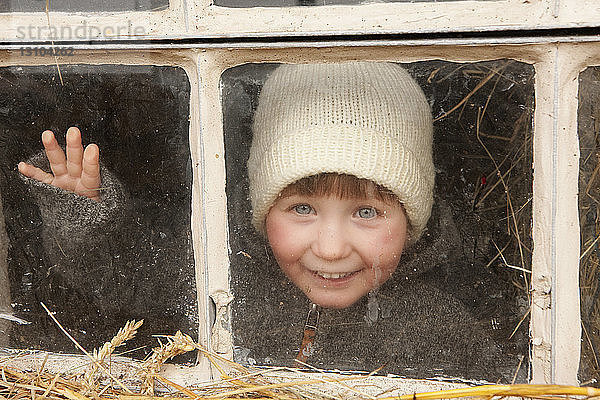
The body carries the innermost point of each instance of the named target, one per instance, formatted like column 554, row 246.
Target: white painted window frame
column 31, row 27
column 555, row 318
column 202, row 19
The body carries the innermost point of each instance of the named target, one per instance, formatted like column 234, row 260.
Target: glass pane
column 457, row 304
column 98, row 264
column 589, row 198
column 83, row 5
column 291, row 3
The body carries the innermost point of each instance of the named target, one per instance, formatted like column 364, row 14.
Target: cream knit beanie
column 367, row 119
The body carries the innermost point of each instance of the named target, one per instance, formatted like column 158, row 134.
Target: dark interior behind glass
column 456, row 305
column 136, row 265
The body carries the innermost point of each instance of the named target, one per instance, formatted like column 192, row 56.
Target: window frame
column 34, row 27
column 174, row 58
column 555, row 317
column 555, row 346
column 187, row 19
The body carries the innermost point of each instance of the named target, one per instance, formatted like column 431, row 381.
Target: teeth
column 332, row 276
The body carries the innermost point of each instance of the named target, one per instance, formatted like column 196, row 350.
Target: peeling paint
column 221, row 335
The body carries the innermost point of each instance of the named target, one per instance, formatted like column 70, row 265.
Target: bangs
column 342, row 186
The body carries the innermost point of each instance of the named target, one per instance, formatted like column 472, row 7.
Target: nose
column 332, row 243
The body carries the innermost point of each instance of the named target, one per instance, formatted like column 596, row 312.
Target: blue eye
column 367, row 212
column 303, row 209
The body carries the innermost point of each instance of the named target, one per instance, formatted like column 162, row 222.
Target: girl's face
column 336, row 250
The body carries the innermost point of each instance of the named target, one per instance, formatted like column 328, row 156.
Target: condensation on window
column 83, row 5
column 292, row 3
column 588, row 120
column 96, row 265
column 458, row 303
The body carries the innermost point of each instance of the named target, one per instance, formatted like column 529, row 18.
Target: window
column 172, row 118
column 129, row 256
column 455, row 280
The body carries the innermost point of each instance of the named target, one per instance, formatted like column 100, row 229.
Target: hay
column 243, row 384
column 236, row 381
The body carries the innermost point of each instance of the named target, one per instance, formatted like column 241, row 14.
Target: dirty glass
column 96, row 265
column 291, row 3
column 83, row 5
column 458, row 303
column 589, row 218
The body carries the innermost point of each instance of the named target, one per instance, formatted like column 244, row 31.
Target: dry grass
column 236, row 381
column 126, row 333
column 503, row 195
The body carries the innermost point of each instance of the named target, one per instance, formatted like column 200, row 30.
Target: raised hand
column 79, row 172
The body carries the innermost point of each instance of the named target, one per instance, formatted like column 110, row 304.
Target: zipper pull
column 307, row 347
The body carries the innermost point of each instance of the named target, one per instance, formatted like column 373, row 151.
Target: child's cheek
column 388, row 249
column 280, row 237
column 382, row 270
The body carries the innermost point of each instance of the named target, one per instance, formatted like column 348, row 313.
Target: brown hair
column 343, row 186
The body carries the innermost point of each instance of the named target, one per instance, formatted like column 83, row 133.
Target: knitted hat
column 366, row 119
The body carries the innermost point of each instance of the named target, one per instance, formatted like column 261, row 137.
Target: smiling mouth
column 327, row 275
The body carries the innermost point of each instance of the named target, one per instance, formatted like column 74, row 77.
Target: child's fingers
column 35, row 173
column 55, row 154
column 74, row 152
column 90, row 175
